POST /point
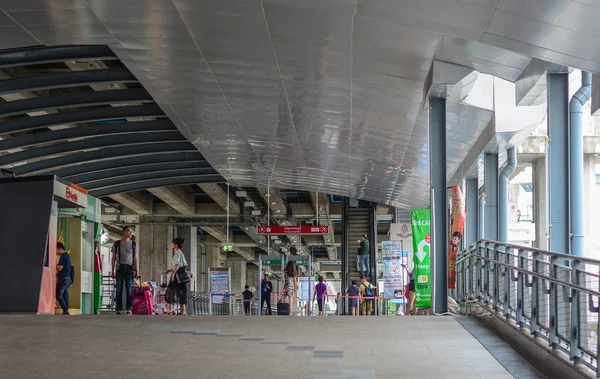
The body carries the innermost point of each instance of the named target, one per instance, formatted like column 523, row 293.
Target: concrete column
column 557, row 155
column 491, row 196
column 439, row 224
column 471, row 208
column 155, row 250
column 238, row 275
column 252, row 278
column 540, row 204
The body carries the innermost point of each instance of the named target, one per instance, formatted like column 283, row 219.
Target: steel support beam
column 471, row 222
column 66, row 79
column 439, row 232
column 220, row 234
column 557, row 163
column 167, row 182
column 134, row 202
column 154, row 174
column 96, row 130
column 220, row 197
column 180, row 167
column 176, row 198
column 491, row 196
column 139, row 163
column 74, row 100
column 345, row 247
column 51, row 54
column 105, row 154
column 124, row 141
column 79, row 116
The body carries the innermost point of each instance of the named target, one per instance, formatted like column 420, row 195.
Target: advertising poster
column 219, row 281
column 457, row 224
column 392, row 268
column 403, row 232
column 421, row 229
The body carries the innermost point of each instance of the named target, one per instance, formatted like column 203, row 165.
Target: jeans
column 365, row 264
column 62, row 293
column 127, row 280
column 266, row 298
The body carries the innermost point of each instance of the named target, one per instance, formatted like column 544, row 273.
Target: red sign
column 304, row 229
column 71, row 195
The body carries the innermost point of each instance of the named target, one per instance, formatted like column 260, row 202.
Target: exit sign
column 227, row 247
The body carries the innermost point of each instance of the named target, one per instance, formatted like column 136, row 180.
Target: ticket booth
column 28, row 231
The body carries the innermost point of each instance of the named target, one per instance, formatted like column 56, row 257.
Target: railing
column 553, row 296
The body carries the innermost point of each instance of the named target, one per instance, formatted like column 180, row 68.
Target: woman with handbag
column 177, row 288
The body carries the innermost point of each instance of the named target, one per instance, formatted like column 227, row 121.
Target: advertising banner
column 403, row 232
column 393, row 278
column 457, row 224
column 421, row 230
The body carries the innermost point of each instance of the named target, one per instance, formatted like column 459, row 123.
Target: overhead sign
column 302, row 229
column 227, row 247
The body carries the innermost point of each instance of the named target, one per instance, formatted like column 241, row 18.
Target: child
column 247, row 299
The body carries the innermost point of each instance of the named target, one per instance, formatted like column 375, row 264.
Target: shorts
column 366, row 306
column 411, row 286
column 320, row 304
column 352, row 303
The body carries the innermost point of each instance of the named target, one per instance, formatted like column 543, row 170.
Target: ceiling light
column 256, row 212
column 249, row 204
column 240, row 193
column 278, row 211
column 273, row 203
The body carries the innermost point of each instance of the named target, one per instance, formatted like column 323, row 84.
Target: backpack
column 368, row 291
column 72, row 274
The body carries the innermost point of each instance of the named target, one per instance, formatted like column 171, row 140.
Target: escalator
column 358, row 225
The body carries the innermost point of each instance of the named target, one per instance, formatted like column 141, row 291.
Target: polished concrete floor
column 241, row 347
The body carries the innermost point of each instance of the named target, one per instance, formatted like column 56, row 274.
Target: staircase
column 359, row 225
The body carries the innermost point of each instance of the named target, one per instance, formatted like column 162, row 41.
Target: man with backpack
column 63, row 277
column 367, row 290
column 125, row 268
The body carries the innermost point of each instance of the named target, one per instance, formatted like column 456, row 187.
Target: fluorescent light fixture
column 249, row 204
column 240, row 193
column 277, row 242
column 256, row 212
column 274, row 237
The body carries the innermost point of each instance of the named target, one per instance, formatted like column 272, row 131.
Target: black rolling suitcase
column 283, row 309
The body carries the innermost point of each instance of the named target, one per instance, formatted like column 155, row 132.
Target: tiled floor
column 241, row 347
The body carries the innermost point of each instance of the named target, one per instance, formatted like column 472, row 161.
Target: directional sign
column 226, row 247
column 302, row 229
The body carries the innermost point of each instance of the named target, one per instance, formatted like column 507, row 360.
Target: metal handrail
column 536, row 250
column 552, row 295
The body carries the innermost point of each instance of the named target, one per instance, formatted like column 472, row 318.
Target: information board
column 219, row 281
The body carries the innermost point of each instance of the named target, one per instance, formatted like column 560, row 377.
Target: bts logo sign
column 71, row 195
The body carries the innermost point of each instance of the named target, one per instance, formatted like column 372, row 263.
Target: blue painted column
column 557, row 161
column 439, row 214
column 472, row 211
column 491, row 196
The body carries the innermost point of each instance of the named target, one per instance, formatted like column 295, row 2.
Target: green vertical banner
column 421, row 236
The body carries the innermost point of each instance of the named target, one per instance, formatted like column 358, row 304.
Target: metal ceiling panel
column 319, row 95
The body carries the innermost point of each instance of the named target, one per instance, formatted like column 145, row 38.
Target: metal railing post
column 553, row 332
column 535, row 288
column 521, row 288
column 479, row 286
column 508, row 280
column 575, row 321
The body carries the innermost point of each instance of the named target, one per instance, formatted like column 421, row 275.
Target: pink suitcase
column 142, row 302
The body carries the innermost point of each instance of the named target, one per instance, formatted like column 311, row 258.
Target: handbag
column 182, row 275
